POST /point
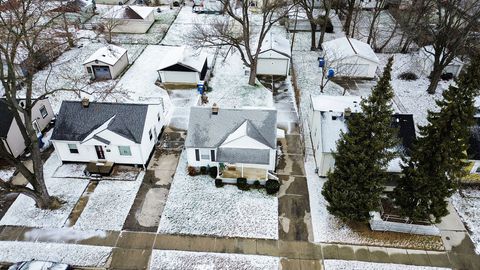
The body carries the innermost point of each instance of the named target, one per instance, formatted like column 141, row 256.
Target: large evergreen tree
column 354, row 187
column 438, row 155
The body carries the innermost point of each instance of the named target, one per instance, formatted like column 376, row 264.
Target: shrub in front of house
column 272, row 186
column 257, row 184
column 192, row 171
column 203, row 170
column 213, row 172
column 242, row 183
column 408, row 76
column 218, row 183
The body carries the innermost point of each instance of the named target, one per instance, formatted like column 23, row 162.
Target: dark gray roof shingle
column 74, row 122
column 243, row 155
column 206, row 130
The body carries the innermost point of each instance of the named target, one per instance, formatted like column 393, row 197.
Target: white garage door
column 272, row 67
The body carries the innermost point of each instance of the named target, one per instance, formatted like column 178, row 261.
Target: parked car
column 35, row 265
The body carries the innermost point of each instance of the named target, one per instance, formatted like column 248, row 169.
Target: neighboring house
column 129, row 19
column 328, row 119
column 76, row 10
column 274, row 56
column 180, row 65
column 350, row 58
column 10, row 134
column 426, row 60
column 241, row 142
column 106, row 63
column 208, row 6
column 113, row 132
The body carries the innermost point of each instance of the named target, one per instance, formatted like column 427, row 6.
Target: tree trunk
column 324, row 27
column 253, row 73
column 313, row 27
column 372, row 26
column 348, row 20
column 434, row 79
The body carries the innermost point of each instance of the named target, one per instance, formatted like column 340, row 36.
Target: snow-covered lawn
column 195, row 206
column 467, row 207
column 23, row 211
column 67, row 72
column 108, row 206
column 172, row 260
column 230, row 85
column 358, row 265
column 78, row 255
column 413, row 94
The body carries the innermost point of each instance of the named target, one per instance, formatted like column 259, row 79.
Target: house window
column 150, row 134
column 212, row 155
column 89, row 69
column 158, row 117
column 197, row 155
column 73, row 148
column 124, row 151
column 43, row 111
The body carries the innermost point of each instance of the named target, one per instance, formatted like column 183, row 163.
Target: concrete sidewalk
column 132, row 249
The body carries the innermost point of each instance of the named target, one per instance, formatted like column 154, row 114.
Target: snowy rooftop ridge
column 129, row 12
column 346, row 47
column 109, row 54
column 276, row 43
column 183, row 56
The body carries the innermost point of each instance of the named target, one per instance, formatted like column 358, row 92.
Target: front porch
column 240, row 171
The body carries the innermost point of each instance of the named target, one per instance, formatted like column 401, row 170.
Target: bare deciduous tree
column 447, row 30
column 309, row 7
column 241, row 31
column 111, row 20
column 27, row 29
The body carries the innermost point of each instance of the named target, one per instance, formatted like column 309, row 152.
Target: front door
column 100, row 153
column 36, row 126
column 102, row 72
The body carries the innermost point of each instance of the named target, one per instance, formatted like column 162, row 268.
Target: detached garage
column 350, row 58
column 274, row 57
column 427, row 58
column 182, row 66
column 106, row 63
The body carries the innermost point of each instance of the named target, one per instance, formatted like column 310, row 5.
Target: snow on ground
column 182, row 100
column 172, row 260
column 67, row 72
column 7, row 173
column 467, row 207
column 230, row 85
column 78, row 255
column 195, row 206
column 413, row 94
column 108, row 206
column 60, row 235
column 23, row 211
column 358, row 265
column 184, row 24
column 326, row 227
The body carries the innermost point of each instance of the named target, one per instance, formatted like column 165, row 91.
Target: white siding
column 115, row 70
column 191, row 158
column 354, row 66
column 179, row 77
column 267, row 66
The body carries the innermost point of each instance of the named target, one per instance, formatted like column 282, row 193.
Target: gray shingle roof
column 206, row 130
column 243, row 155
column 74, row 122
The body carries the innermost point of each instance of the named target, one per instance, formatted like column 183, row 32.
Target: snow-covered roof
column 345, row 47
column 129, row 12
column 276, row 43
column 109, row 55
column 326, row 103
column 185, row 57
column 429, row 52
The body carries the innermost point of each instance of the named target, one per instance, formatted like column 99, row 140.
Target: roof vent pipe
column 85, row 102
column 215, row 109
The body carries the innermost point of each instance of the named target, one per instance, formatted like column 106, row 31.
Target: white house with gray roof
column 114, row 132
column 241, row 142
